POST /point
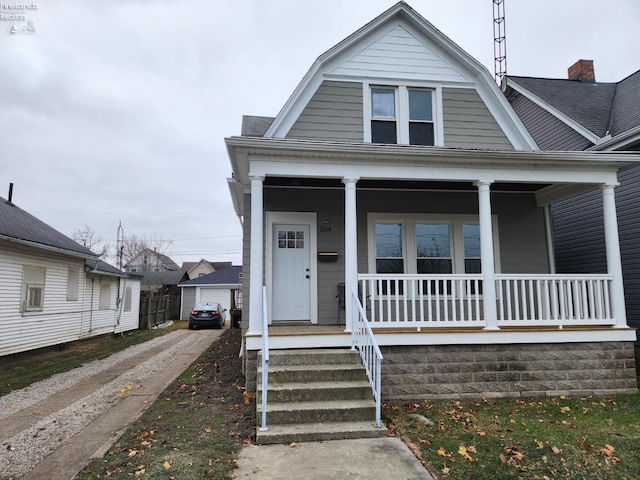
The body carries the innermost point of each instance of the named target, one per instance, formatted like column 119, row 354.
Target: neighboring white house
column 203, row 267
column 398, row 169
column 220, row 286
column 53, row 290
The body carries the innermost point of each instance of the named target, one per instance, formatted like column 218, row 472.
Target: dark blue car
column 207, row 315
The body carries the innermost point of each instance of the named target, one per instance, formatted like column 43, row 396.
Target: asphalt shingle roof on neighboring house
column 626, row 105
column 168, row 277
column 588, row 103
column 20, row 226
column 225, row 276
column 99, row 266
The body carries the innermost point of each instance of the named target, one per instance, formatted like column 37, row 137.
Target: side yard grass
column 551, row 438
column 22, row 369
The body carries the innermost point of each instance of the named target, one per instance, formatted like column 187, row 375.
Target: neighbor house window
column 73, row 278
column 426, row 244
column 105, row 293
column 402, row 115
column 33, row 280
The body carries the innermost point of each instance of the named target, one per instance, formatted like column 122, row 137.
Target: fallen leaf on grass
column 565, row 409
column 166, row 465
column 446, row 470
column 556, row 450
column 60, row 414
column 133, row 453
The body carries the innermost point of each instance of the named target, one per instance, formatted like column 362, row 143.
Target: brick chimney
column 583, row 71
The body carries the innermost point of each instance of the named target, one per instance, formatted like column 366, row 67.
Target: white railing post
column 265, row 359
column 362, row 338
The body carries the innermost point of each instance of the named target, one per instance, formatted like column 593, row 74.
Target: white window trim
column 402, row 108
column 408, row 222
column 29, row 286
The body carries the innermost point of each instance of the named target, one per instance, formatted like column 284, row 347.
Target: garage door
column 219, row 295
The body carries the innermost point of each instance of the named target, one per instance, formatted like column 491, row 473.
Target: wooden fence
column 157, row 309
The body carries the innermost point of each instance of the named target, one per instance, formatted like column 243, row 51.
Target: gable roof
column 16, row 225
column 596, row 110
column 338, row 60
column 168, row 277
column 225, row 276
column 165, row 260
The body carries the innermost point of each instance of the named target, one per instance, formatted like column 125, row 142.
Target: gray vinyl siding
column 547, row 130
column 188, row 301
column 333, row 113
column 468, row 123
column 578, row 225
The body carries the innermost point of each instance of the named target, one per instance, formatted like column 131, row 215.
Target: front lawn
column 551, row 438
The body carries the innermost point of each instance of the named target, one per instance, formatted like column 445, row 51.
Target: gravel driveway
column 46, row 417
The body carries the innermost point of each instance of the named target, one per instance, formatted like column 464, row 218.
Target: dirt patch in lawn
column 194, row 429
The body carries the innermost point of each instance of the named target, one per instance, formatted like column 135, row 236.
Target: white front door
column 291, row 285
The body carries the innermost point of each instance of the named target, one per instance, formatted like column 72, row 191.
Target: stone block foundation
column 510, row 371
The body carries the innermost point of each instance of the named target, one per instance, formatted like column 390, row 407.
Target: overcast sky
column 117, row 111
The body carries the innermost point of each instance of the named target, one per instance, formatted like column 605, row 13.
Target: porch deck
column 305, row 335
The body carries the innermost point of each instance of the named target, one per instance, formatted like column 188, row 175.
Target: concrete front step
column 279, row 413
column 316, row 391
column 319, row 432
column 314, row 373
column 312, row 357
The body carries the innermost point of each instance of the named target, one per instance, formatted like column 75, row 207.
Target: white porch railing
column 557, row 300
column 422, row 300
column 450, row 300
column 265, row 359
column 362, row 338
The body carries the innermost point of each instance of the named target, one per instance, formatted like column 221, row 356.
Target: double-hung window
column 384, row 124
column 402, row 115
column 426, row 244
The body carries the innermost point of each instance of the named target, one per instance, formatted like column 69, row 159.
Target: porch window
column 471, row 233
column 127, row 299
column 433, row 248
column 427, row 244
column 389, row 256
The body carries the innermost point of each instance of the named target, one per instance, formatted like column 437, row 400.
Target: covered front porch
column 433, row 244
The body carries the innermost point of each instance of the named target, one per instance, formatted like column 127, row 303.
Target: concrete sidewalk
column 371, row 459
column 99, row 435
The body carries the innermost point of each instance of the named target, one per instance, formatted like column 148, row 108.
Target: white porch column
column 256, row 255
column 614, row 263
column 487, row 261
column 350, row 246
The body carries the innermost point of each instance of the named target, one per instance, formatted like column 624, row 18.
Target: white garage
column 220, row 286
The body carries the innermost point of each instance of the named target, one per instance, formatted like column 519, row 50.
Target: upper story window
column 402, row 115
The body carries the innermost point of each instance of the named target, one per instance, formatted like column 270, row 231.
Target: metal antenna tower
column 499, row 40
column 120, row 245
